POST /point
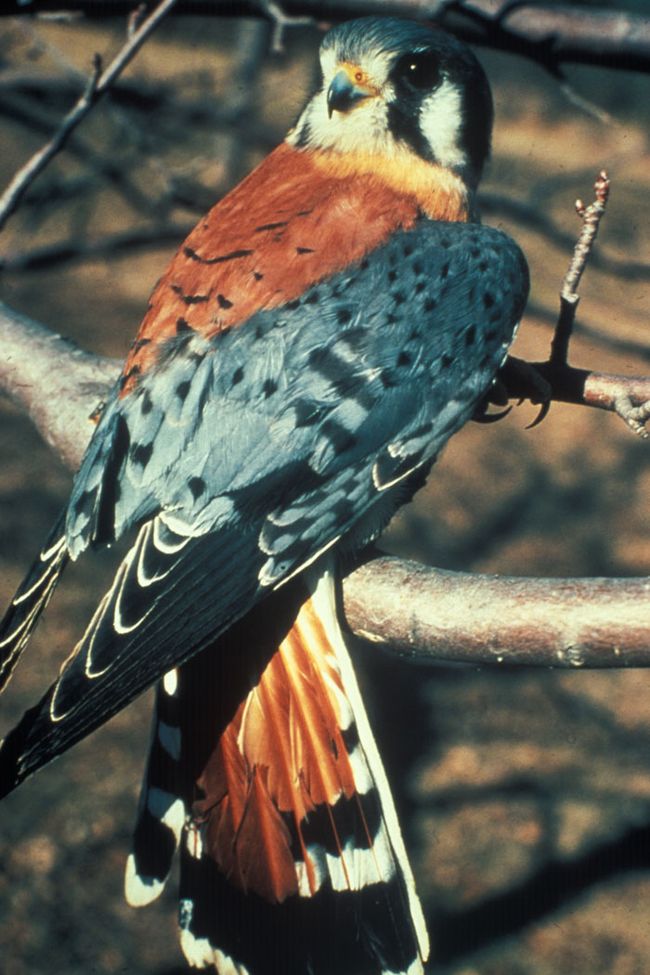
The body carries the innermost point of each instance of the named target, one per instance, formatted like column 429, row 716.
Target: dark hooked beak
column 343, row 94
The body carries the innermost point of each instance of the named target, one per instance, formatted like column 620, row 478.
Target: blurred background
column 525, row 794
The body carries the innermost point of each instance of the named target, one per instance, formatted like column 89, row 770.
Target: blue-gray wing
column 244, row 456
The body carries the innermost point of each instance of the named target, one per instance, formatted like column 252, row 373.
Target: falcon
column 312, row 346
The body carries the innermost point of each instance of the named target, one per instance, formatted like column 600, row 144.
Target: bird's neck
column 440, row 193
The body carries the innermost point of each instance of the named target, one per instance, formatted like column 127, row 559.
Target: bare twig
column 569, row 298
column 98, row 83
column 281, row 21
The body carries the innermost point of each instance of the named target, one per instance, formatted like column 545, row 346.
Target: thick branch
column 432, row 615
column 548, row 32
column 57, row 384
column 423, row 613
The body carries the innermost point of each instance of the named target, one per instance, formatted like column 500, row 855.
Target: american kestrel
column 312, row 346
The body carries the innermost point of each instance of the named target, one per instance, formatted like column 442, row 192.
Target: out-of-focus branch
column 98, row 84
column 551, row 33
column 423, row 613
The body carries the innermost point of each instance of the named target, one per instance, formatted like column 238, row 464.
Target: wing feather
column 240, row 484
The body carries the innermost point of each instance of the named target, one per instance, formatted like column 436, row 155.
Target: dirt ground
column 525, row 794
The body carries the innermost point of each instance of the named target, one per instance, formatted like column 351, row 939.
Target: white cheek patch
column 440, row 121
column 363, row 129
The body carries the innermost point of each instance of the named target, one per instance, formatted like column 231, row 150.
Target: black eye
column 420, row 69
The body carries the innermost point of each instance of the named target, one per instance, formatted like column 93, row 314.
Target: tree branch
column 431, row 615
column 423, row 613
column 550, row 33
column 98, row 83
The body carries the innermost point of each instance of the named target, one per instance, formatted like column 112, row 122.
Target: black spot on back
column 183, row 389
column 141, row 453
column 340, row 438
column 271, row 226
column 146, row 404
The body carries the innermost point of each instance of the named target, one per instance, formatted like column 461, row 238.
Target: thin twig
column 98, row 83
column 281, row 21
column 569, row 298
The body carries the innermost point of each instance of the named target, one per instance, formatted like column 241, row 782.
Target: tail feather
column 163, row 802
column 31, row 599
column 292, row 860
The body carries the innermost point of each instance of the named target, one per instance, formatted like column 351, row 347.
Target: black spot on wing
column 197, row 487
column 140, row 453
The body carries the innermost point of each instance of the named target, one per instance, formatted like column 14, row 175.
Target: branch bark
column 551, row 33
column 419, row 612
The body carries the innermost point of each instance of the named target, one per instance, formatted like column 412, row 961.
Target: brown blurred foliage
column 525, row 794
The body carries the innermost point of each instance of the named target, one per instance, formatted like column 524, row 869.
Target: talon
column 543, row 413
column 492, row 417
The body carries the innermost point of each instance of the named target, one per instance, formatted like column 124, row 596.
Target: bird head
column 396, row 89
